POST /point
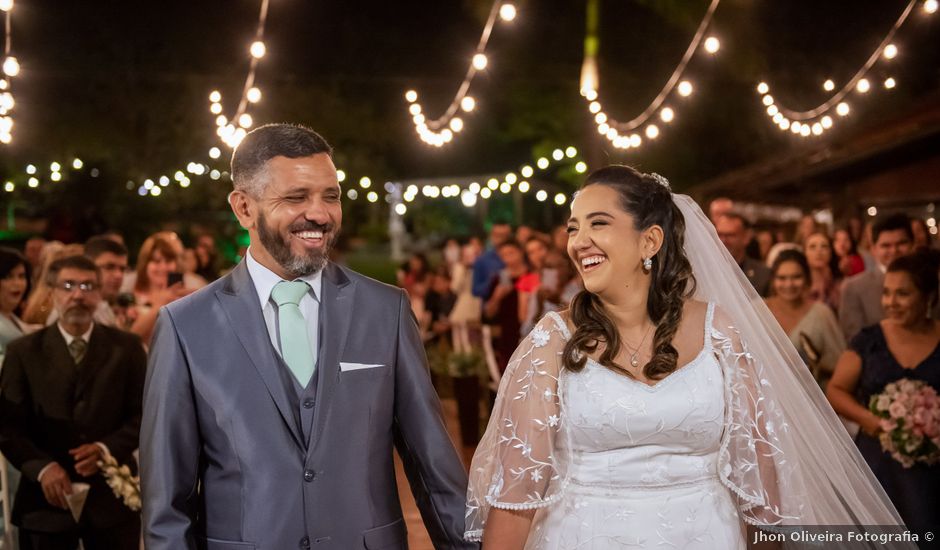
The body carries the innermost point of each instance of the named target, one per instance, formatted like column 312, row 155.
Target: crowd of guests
column 75, row 322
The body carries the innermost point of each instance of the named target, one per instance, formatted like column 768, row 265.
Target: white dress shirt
column 264, row 280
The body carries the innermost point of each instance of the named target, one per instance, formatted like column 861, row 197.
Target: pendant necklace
column 634, row 355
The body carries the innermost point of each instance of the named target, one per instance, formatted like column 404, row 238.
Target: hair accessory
column 660, row 180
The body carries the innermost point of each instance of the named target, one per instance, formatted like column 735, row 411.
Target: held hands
column 86, row 459
column 56, row 485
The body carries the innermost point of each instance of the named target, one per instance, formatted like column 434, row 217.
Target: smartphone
column 505, row 279
column 174, row 277
column 549, row 278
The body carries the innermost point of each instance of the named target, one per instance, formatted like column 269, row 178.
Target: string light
column 616, row 131
column 11, row 68
column 440, row 131
column 815, row 121
column 230, row 134
column 930, row 6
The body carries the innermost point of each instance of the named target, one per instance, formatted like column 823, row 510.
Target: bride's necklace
column 635, row 353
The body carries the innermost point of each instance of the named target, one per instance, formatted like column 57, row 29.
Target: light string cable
column 233, row 130
column 11, row 68
column 809, row 122
column 441, row 130
column 619, row 133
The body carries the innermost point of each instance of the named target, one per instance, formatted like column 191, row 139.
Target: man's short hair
column 96, row 246
column 79, row 262
column 266, row 142
column 511, row 242
column 892, row 222
column 745, row 223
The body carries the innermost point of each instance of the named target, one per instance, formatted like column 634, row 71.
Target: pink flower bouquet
column 910, row 421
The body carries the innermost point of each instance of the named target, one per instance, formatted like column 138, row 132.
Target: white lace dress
column 610, row 462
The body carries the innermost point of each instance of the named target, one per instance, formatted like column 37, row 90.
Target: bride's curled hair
column 649, row 203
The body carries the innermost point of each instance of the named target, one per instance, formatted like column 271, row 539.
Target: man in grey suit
column 275, row 395
column 861, row 294
column 735, row 233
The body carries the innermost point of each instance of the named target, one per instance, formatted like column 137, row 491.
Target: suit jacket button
column 305, row 543
column 308, row 403
column 308, row 476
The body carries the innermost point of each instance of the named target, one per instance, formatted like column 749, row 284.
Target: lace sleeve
column 751, row 460
column 521, row 461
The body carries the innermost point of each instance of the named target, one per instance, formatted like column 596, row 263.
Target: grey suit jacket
column 861, row 302
column 758, row 274
column 224, row 465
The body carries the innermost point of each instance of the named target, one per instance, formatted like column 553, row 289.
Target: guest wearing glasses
column 70, row 394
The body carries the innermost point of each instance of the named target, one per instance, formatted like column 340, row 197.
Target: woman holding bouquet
column 904, row 346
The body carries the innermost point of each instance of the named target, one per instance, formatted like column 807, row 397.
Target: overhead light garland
column 815, row 122
column 441, row 130
column 32, row 174
column 626, row 135
column 469, row 192
column 11, row 68
column 232, row 130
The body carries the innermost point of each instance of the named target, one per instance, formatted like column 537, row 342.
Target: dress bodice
column 626, row 433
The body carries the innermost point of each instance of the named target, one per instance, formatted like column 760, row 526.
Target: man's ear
column 244, row 207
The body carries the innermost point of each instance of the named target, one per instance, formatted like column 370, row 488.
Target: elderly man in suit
column 69, row 394
column 276, row 395
column 735, row 233
column 861, row 294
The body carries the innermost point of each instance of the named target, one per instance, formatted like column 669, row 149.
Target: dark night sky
column 126, row 83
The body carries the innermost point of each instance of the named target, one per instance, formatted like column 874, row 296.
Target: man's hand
column 55, row 485
column 86, row 459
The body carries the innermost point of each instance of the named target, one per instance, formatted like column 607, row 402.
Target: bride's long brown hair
column 649, row 203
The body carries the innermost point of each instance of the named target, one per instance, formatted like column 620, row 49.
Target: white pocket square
column 357, row 366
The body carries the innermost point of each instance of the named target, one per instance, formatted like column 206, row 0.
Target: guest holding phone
column 502, row 307
column 158, row 282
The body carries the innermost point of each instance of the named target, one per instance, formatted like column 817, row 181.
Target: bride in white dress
column 643, row 417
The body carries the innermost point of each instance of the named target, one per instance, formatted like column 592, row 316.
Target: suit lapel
column 240, row 301
column 335, row 316
column 57, row 352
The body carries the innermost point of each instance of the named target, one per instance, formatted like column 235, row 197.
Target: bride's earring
column 647, row 264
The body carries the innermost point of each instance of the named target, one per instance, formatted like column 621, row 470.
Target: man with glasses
column 70, row 394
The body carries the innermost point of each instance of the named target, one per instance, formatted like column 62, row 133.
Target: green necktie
column 295, row 343
column 77, row 348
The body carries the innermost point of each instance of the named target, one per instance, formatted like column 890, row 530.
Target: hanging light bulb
column 652, row 131
column 6, row 5
column 245, row 120
column 215, row 108
column 215, row 96
column 890, row 83
column 685, row 88
column 468, row 104
column 829, row 85
column 258, row 49
column 411, row 96
column 863, row 86
column 507, row 12
column 479, row 61
column 930, row 6
column 842, row 109
column 667, row 114
column 826, row 122
column 253, row 95
column 763, row 88
column 890, row 51
column 712, row 45
column 11, row 67
column 456, row 124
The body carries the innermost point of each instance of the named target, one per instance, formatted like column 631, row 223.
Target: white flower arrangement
column 124, row 485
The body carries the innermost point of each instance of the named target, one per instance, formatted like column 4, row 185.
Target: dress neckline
column 884, row 341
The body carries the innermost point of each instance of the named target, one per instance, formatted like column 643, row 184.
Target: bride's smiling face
column 603, row 241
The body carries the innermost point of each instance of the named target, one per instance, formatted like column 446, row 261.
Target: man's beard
column 297, row 265
column 77, row 315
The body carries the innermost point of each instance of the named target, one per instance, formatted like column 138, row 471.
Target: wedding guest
column 488, row 265
column 921, row 233
column 560, row 238
column 558, row 284
column 451, row 255
column 826, row 281
column 810, row 324
column 56, row 428
column 850, row 261
column 157, row 282
column 719, row 207
column 416, row 271
column 502, row 305
column 465, row 317
column 735, row 233
column 111, row 258
column 39, row 304
column 765, row 241
column 905, row 345
column 806, row 227
column 523, row 234
column 861, row 295
column 14, row 286
column 207, row 257
column 33, row 252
